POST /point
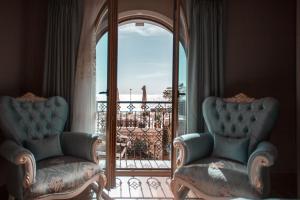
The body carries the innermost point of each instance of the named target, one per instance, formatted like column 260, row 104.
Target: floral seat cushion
column 61, row 174
column 218, row 177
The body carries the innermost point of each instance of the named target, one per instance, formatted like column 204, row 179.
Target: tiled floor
column 136, row 188
column 157, row 188
column 142, row 188
column 140, row 164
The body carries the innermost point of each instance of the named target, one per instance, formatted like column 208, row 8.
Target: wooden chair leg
column 183, row 191
column 179, row 191
column 101, row 185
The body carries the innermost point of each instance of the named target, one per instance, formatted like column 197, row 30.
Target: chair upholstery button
column 261, row 107
column 38, row 127
column 240, row 118
column 24, row 106
column 233, row 128
column 224, row 106
column 12, row 106
column 42, row 116
column 236, row 107
column 228, row 117
column 222, row 127
column 53, row 115
column 34, row 106
column 48, row 126
column 253, row 119
column 57, row 103
column 18, row 118
column 31, row 118
column 26, row 129
column 246, row 129
column 47, row 105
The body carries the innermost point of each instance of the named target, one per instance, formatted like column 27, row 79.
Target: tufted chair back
column 250, row 120
column 22, row 119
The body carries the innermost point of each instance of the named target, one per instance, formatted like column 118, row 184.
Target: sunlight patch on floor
column 140, row 187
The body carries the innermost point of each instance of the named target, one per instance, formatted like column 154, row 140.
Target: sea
column 134, row 97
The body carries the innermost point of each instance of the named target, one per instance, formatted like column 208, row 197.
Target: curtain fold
column 84, row 107
column 205, row 57
column 62, row 43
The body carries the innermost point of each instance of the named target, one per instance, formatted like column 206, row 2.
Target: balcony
column 143, row 133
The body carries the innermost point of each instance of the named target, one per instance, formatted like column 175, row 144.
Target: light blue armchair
column 233, row 158
column 45, row 162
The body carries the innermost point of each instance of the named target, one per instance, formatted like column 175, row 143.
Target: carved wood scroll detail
column 181, row 153
column 240, row 98
column 95, row 144
column 256, row 170
column 31, row 97
column 29, row 164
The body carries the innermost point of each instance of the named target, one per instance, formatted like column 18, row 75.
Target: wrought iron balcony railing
column 143, row 129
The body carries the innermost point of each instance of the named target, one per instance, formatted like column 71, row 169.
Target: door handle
column 181, row 94
column 104, row 92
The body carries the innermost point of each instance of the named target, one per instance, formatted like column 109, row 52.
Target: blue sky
column 144, row 58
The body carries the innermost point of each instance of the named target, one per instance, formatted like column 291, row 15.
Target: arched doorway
column 145, row 51
column 145, row 58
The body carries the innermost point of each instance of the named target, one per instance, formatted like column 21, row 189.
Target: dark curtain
column 205, row 57
column 63, row 36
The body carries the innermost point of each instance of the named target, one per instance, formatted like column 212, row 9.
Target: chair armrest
column 81, row 145
column 18, row 155
column 192, row 147
column 264, row 156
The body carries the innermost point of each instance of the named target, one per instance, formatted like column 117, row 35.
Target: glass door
column 182, row 72
column 175, row 91
column 138, row 133
column 101, row 83
column 106, row 89
column 144, row 113
column 112, row 91
column 180, row 43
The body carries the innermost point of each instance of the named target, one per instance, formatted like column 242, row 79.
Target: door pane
column 182, row 77
column 145, row 95
column 112, row 92
column 144, row 114
column 101, row 95
column 106, row 61
column 182, row 92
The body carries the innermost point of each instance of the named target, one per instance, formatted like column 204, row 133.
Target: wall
column 298, row 93
column 11, row 57
column 22, row 40
column 36, row 27
column 22, row 36
column 260, row 61
column 12, row 46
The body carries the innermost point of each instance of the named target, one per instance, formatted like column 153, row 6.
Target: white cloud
column 154, row 65
column 152, row 75
column 146, row 30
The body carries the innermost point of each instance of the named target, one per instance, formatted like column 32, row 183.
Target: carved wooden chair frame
column 97, row 182
column 181, row 187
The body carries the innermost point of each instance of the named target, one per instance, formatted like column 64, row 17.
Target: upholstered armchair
column 233, row 158
column 45, row 162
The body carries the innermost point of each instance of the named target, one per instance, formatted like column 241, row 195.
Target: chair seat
column 61, row 174
column 218, row 177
